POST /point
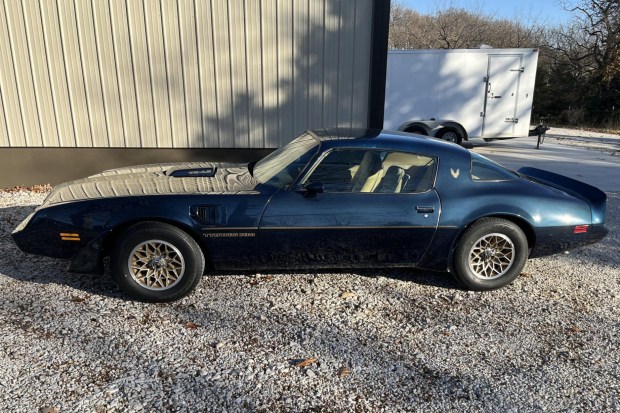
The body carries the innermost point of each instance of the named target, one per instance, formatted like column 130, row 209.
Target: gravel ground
column 604, row 142
column 383, row 340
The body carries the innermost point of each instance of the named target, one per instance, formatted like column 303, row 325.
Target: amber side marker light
column 580, row 229
column 65, row 236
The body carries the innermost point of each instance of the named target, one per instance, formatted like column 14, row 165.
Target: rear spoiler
column 592, row 195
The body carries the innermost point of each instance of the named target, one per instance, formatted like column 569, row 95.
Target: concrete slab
column 591, row 166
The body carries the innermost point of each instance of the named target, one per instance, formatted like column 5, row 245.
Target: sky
column 548, row 12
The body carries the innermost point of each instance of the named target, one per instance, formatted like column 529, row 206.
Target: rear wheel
column 450, row 135
column 157, row 262
column 490, row 255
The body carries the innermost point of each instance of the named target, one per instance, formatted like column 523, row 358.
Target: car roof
column 385, row 139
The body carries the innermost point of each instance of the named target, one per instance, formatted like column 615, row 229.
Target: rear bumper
column 597, row 233
column 555, row 240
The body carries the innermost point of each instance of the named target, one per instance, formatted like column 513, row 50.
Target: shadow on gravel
column 420, row 277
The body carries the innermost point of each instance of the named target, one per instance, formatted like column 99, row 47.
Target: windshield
column 282, row 166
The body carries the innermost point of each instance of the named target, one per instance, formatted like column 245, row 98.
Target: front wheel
column 490, row 254
column 156, row 262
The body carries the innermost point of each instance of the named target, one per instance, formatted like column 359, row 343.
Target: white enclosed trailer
column 458, row 94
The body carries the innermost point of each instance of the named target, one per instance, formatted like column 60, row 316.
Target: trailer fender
column 417, row 127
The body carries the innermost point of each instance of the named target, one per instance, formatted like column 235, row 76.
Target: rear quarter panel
column 547, row 212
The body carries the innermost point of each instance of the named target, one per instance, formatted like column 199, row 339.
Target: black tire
column 162, row 250
column 497, row 241
column 450, row 135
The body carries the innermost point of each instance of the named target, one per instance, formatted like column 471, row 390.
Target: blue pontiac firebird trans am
column 364, row 198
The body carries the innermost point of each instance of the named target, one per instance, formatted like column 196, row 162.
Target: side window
column 407, row 173
column 355, row 170
column 336, row 170
column 483, row 169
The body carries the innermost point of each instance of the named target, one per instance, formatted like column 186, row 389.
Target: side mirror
column 310, row 190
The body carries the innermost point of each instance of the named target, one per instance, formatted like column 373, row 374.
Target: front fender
column 89, row 258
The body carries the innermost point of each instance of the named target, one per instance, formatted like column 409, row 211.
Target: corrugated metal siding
column 180, row 73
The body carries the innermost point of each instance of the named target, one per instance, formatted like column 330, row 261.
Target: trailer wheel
column 450, row 135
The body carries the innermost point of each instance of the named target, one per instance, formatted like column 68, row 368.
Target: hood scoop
column 208, row 172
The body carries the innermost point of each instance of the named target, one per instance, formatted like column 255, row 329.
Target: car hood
column 158, row 179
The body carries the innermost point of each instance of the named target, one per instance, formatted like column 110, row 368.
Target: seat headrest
column 371, row 163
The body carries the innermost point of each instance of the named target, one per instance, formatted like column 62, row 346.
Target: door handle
column 425, row 209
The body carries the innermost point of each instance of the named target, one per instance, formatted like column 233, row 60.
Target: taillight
column 580, row 229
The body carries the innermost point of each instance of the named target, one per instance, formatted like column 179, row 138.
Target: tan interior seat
column 368, row 174
column 404, row 160
column 393, row 180
column 418, row 172
column 424, row 178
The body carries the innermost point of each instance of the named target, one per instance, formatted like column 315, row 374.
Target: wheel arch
column 522, row 223
column 116, row 232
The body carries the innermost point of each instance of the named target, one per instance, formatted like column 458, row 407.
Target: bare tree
column 600, row 21
column 588, row 49
column 454, row 28
column 409, row 29
column 457, row 28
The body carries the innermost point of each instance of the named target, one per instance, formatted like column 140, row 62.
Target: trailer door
column 502, row 86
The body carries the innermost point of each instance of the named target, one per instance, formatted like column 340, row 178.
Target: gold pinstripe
column 325, row 227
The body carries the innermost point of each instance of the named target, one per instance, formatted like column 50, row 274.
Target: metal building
column 87, row 85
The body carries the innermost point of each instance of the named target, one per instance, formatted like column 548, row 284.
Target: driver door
column 365, row 209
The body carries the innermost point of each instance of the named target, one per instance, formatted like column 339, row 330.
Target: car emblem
column 455, row 174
